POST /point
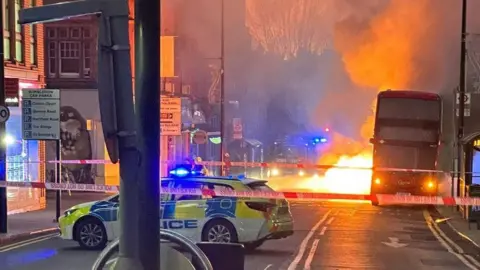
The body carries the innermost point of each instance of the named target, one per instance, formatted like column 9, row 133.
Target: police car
column 250, row 221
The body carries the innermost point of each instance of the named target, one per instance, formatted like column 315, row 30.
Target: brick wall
column 36, row 70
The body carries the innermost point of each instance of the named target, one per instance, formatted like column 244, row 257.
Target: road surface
column 329, row 235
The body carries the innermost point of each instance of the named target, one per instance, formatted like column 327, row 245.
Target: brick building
column 24, row 68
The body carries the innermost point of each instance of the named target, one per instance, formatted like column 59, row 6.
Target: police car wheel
column 220, row 231
column 91, row 234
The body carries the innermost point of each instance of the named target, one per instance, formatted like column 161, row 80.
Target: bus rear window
column 405, row 108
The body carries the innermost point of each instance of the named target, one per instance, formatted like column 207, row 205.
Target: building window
column 69, row 51
column 18, row 34
column 87, row 59
column 52, row 59
column 6, row 31
column 69, row 59
column 33, row 40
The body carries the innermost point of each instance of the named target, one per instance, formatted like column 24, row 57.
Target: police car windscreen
column 411, row 109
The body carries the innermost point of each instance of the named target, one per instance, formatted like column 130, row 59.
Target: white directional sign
column 170, row 116
column 41, row 114
column 4, row 114
column 467, row 100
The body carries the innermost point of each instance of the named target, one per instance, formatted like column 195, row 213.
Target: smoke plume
column 326, row 59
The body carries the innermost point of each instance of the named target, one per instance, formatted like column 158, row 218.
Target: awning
column 253, row 142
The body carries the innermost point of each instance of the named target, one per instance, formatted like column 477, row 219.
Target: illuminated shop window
column 22, row 156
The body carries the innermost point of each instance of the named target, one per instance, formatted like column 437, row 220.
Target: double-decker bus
column 408, row 126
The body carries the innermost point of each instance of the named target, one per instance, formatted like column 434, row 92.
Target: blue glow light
column 317, row 140
column 323, row 140
column 27, row 258
column 180, row 172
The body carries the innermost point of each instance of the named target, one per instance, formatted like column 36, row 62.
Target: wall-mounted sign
column 200, row 137
column 215, row 140
column 170, row 116
column 12, row 88
column 237, row 128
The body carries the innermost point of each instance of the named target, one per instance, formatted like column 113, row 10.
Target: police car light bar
column 180, row 172
column 183, row 172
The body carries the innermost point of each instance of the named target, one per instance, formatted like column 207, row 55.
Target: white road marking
column 27, row 242
column 304, row 243
column 308, row 261
column 110, row 262
column 330, row 220
column 268, row 266
column 437, row 232
column 322, row 232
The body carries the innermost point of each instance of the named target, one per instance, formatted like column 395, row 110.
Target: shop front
column 25, row 159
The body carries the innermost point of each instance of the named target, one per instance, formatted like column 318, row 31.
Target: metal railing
column 198, row 255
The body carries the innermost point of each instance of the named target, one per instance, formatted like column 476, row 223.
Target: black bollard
column 224, row 256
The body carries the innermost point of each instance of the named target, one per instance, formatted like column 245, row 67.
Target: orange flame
column 393, row 51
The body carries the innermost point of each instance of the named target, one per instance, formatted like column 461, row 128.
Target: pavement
column 41, row 223
column 331, row 235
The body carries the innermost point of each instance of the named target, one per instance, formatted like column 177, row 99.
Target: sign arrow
column 394, row 243
column 166, row 116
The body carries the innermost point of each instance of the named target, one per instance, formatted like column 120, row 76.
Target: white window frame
column 60, row 58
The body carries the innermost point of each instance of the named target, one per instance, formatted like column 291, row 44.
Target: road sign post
column 467, row 101
column 171, row 116
column 4, row 114
column 41, row 121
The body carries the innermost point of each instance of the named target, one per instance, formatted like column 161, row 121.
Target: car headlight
column 69, row 212
column 301, row 173
column 275, row 172
column 316, row 176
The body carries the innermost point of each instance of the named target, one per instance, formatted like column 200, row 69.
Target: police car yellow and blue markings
column 103, row 210
column 173, row 216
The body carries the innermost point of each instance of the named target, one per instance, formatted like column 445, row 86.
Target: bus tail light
column 430, row 184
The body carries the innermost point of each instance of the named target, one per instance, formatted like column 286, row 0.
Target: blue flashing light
column 183, row 171
column 180, row 172
column 323, row 140
column 317, row 140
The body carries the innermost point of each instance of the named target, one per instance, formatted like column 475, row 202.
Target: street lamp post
column 3, row 150
column 222, row 84
column 462, row 90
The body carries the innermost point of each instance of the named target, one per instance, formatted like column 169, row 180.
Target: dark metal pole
column 147, row 117
column 58, row 177
column 461, row 103
column 3, row 146
column 222, row 84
